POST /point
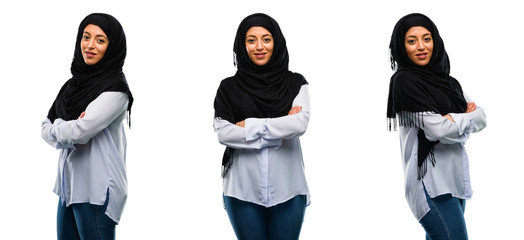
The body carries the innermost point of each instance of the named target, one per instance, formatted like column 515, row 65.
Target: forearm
column 98, row 115
column 277, row 128
column 286, row 127
column 439, row 128
column 471, row 122
column 234, row 136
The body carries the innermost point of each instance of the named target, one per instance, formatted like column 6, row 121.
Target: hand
column 471, row 107
column 294, row 110
column 241, row 124
column 449, row 117
column 82, row 115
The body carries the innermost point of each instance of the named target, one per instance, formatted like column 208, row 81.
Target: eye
column 268, row 39
column 85, row 37
column 250, row 40
column 427, row 39
column 100, row 41
column 411, row 41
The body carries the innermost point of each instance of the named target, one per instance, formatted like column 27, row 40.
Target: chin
column 261, row 62
column 91, row 62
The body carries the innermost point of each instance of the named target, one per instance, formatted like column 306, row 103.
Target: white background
column 177, row 55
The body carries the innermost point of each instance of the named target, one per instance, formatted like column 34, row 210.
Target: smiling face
column 93, row 44
column 419, row 45
column 259, row 45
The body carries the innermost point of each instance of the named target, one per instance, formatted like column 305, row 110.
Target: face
column 259, row 45
column 419, row 45
column 93, row 44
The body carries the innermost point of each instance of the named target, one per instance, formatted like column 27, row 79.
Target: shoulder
column 111, row 95
column 455, row 83
column 402, row 76
column 298, row 77
column 405, row 80
column 229, row 81
column 226, row 87
column 111, row 98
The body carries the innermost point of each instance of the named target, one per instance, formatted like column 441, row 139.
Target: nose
column 259, row 45
column 91, row 43
column 420, row 46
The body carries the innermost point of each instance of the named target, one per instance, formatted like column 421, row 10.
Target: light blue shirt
column 451, row 171
column 92, row 154
column 268, row 168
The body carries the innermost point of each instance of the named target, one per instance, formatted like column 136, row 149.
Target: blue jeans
column 84, row 221
column 445, row 220
column 255, row 222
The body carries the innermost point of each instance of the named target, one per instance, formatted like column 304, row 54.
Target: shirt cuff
column 52, row 135
column 462, row 120
column 254, row 127
column 477, row 119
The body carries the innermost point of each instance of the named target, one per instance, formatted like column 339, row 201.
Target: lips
column 90, row 54
column 421, row 56
column 260, row 55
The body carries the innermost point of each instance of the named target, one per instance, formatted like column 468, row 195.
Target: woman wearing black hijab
column 435, row 118
column 85, row 123
column 260, row 112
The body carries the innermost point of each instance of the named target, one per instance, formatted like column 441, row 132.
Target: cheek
column 270, row 46
column 250, row 48
column 410, row 49
column 102, row 51
column 409, row 52
column 82, row 50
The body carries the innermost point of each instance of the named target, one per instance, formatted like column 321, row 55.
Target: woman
column 435, row 118
column 86, row 123
column 260, row 113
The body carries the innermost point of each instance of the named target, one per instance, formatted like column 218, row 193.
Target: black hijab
column 415, row 89
column 257, row 91
column 89, row 81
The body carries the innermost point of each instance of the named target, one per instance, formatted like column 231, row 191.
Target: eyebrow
column 422, row 35
column 99, row 35
column 265, row 35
